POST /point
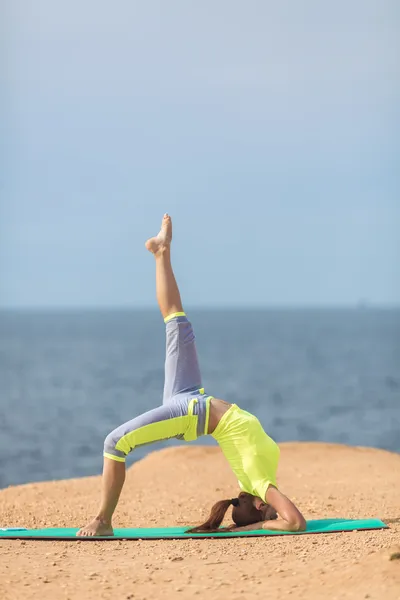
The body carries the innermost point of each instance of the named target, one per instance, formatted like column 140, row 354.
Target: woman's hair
column 215, row 518
column 243, row 513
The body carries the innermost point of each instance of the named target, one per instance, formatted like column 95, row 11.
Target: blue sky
column 269, row 131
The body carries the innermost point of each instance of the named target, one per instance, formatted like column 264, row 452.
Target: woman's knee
column 110, row 445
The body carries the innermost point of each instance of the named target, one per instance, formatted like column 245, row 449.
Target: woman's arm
column 290, row 516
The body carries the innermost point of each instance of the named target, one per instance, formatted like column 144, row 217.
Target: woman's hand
column 252, row 527
column 276, row 525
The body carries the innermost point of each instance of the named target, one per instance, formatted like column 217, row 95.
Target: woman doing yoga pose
column 187, row 413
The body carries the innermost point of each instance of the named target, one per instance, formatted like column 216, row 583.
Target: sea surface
column 69, row 378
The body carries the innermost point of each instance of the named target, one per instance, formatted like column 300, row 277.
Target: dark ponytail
column 216, row 517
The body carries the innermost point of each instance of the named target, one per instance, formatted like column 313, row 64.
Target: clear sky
column 268, row 130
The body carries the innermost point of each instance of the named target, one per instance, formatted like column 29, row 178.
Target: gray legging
column 185, row 409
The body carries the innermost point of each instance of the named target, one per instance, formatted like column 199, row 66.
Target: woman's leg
column 111, row 486
column 181, row 369
column 168, row 296
column 161, row 423
column 182, row 372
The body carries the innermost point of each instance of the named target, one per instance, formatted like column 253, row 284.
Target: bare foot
column 161, row 241
column 96, row 528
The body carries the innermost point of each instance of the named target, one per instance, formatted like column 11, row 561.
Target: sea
column 68, row 378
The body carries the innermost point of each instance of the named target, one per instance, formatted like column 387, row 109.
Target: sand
column 176, row 487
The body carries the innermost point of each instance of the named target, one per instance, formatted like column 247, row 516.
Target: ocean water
column 68, row 378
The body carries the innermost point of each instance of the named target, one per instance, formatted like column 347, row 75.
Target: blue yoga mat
column 157, row 533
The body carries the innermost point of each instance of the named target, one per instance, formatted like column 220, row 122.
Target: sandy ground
column 177, row 486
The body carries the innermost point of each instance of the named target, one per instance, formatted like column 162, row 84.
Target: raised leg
column 168, row 296
column 182, row 372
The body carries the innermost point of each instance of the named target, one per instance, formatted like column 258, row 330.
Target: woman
column 188, row 413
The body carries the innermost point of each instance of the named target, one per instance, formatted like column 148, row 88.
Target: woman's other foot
column 162, row 241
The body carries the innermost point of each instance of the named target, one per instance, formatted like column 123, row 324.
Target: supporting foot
column 96, row 528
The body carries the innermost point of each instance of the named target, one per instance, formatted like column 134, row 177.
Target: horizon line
column 360, row 306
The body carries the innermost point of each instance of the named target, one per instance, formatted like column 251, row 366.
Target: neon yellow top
column 251, row 453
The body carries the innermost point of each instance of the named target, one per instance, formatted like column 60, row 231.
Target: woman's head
column 247, row 509
column 251, row 509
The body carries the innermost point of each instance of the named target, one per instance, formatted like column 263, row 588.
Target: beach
column 176, row 487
